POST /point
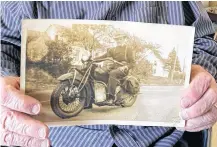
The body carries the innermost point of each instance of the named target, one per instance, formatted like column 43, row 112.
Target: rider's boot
column 89, row 107
column 109, row 100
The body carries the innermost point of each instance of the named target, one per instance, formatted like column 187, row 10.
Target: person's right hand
column 17, row 128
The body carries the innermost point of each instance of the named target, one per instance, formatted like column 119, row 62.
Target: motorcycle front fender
column 65, row 77
column 78, row 77
column 70, row 75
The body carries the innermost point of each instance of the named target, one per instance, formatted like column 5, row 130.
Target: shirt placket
column 161, row 12
column 121, row 137
column 115, row 7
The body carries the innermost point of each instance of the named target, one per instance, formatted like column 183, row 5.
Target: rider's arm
column 132, row 60
column 131, row 65
column 106, row 55
column 101, row 57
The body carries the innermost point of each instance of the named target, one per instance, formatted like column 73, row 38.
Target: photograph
column 106, row 72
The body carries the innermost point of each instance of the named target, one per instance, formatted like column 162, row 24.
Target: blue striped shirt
column 176, row 13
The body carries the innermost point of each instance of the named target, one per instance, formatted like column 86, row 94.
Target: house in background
column 54, row 32
column 158, row 66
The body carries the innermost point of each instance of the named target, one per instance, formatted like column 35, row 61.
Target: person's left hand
column 199, row 101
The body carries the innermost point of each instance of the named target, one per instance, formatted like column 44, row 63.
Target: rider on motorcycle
column 116, row 72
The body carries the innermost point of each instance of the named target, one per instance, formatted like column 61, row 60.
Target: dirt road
column 152, row 104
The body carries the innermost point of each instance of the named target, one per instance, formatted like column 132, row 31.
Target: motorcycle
column 81, row 87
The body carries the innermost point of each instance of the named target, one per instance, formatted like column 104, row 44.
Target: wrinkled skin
column 17, row 128
column 199, row 101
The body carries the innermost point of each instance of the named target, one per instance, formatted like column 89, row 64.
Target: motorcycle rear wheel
column 55, row 100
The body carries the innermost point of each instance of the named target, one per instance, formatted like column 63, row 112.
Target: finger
column 202, row 121
column 16, row 100
column 201, row 106
column 23, row 124
column 13, row 81
column 196, row 89
column 12, row 139
column 200, row 128
column 17, row 86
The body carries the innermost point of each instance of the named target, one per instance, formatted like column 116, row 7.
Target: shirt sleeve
column 205, row 48
column 10, row 38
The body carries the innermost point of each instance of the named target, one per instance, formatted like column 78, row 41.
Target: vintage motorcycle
column 81, row 87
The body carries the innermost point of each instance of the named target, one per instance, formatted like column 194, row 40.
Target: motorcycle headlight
column 85, row 57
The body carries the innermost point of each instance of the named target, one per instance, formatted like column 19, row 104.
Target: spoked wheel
column 66, row 101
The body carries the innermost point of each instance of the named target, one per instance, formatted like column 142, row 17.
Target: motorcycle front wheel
column 66, row 105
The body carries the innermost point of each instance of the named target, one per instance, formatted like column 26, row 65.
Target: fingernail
column 185, row 102
column 45, row 143
column 36, row 109
column 184, row 114
column 42, row 133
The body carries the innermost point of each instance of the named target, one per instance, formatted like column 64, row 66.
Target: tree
column 84, row 35
column 172, row 63
column 144, row 72
column 54, row 56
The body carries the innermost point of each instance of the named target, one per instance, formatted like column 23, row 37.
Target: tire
column 55, row 97
column 129, row 101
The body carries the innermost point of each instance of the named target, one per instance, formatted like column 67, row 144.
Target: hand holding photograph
column 106, row 72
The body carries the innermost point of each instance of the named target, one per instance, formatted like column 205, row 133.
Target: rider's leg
column 113, row 80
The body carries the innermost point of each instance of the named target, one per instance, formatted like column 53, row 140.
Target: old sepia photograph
column 106, row 72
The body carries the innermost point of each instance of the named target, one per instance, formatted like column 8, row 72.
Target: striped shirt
column 174, row 12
